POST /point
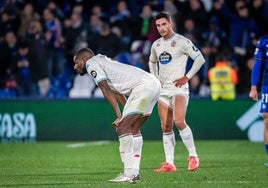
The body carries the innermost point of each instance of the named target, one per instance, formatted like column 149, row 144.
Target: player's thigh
column 165, row 114
column 180, row 108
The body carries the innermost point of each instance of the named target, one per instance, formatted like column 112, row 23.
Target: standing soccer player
column 117, row 80
column 260, row 66
column 171, row 52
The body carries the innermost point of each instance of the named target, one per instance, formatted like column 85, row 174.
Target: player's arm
column 111, row 98
column 198, row 62
column 153, row 62
column 153, row 68
column 256, row 69
column 120, row 98
column 254, row 79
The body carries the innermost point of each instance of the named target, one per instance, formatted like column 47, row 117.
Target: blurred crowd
column 39, row 37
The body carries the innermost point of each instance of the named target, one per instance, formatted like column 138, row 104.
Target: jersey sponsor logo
column 165, row 58
column 93, row 74
column 173, row 44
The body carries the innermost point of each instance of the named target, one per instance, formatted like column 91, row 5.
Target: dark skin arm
column 120, row 98
column 112, row 99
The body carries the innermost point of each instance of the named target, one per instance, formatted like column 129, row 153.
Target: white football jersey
column 172, row 55
column 121, row 78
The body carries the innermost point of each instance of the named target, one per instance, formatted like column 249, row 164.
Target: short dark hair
column 84, row 51
column 163, row 14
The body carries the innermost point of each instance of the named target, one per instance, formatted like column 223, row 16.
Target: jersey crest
column 173, row 43
column 165, row 58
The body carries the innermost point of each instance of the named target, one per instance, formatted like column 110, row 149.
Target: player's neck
column 169, row 35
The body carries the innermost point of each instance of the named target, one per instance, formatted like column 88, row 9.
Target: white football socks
column 126, row 153
column 137, row 150
column 187, row 138
column 169, row 146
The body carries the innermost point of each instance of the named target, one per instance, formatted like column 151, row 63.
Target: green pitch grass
column 91, row 164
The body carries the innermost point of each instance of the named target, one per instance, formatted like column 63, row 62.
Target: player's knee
column 180, row 124
column 166, row 128
column 123, row 129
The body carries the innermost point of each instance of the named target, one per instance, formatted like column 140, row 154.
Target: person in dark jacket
column 38, row 53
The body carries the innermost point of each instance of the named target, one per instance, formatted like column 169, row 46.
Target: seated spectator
column 95, row 23
column 105, row 42
column 195, row 10
column 144, row 27
column 27, row 14
column 75, row 37
column 122, row 19
column 258, row 10
column 98, row 11
column 21, row 67
column 7, row 23
column 8, row 52
column 53, row 32
column 192, row 32
column 144, row 33
column 52, row 5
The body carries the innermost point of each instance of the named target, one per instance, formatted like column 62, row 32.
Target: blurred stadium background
column 42, row 98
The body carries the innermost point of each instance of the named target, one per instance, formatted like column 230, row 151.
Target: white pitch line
column 93, row 143
column 76, row 145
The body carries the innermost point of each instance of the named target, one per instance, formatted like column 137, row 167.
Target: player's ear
column 84, row 59
column 171, row 23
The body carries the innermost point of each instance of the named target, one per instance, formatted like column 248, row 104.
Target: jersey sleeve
column 191, row 50
column 256, row 69
column 194, row 53
column 95, row 71
column 153, row 55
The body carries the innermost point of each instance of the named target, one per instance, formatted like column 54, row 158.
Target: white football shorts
column 143, row 97
column 167, row 96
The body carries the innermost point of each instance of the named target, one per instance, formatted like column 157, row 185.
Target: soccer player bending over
column 171, row 52
column 260, row 67
column 117, row 80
